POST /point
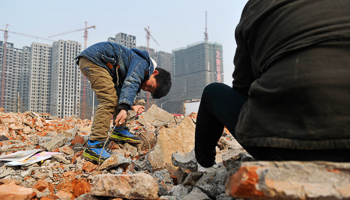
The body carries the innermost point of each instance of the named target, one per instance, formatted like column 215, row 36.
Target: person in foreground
column 117, row 74
column 290, row 97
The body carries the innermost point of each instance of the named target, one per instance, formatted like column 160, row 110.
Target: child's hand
column 120, row 119
column 138, row 109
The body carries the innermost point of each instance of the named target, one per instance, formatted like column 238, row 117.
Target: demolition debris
column 41, row 158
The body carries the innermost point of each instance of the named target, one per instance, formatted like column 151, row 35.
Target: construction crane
column 148, row 36
column 206, row 30
column 85, row 46
column 85, row 33
column 6, row 36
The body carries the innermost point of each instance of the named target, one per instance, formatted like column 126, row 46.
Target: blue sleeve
column 132, row 82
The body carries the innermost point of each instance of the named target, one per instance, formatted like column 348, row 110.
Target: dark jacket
column 292, row 59
column 128, row 67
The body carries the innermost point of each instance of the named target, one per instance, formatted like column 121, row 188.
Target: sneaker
column 93, row 151
column 122, row 134
column 210, row 171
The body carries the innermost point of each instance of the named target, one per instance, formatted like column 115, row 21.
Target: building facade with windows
column 25, row 79
column 40, row 78
column 65, row 79
column 16, row 60
column 124, row 39
column 194, row 67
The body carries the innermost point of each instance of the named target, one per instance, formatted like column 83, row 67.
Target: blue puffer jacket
column 128, row 67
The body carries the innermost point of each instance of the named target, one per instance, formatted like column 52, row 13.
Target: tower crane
column 6, row 32
column 85, row 33
column 148, row 36
column 85, row 46
column 206, row 30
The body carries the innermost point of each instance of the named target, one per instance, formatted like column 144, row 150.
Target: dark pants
column 220, row 106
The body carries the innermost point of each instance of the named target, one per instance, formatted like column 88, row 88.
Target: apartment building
column 124, row 39
column 65, row 79
column 25, row 79
column 40, row 78
column 15, row 60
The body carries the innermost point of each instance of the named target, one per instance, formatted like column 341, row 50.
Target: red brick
column 77, row 140
column 81, row 187
column 41, row 185
column 243, row 183
column 65, row 185
column 89, row 167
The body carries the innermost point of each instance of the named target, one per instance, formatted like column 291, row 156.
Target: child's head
column 163, row 80
column 158, row 84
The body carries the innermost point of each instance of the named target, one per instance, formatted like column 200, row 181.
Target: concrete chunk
column 135, row 186
column 192, row 178
column 185, row 160
column 197, row 194
column 116, row 160
column 169, row 141
column 291, row 180
column 55, row 143
column 60, row 158
column 156, row 116
column 71, row 132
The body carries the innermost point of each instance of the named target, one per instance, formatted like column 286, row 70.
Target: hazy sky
column 173, row 23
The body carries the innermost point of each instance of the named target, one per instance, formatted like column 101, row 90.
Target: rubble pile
column 143, row 171
column 158, row 168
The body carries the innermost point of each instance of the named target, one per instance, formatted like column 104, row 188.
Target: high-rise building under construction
column 194, row 67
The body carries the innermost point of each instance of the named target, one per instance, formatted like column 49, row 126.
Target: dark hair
column 163, row 80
